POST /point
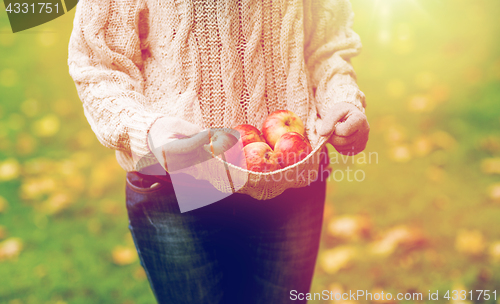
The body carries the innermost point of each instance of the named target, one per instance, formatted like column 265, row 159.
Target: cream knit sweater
column 214, row 63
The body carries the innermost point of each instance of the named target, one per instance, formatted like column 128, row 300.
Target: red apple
column 260, row 157
column 222, row 142
column 279, row 123
column 291, row 148
column 249, row 134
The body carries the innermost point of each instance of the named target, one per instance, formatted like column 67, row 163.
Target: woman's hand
column 177, row 143
column 347, row 127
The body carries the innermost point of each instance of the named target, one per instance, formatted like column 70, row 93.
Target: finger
column 180, row 161
column 188, row 144
column 352, row 124
column 339, row 141
column 331, row 119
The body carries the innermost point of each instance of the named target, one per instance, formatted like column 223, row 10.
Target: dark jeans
column 237, row 250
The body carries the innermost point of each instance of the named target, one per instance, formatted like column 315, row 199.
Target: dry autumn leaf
column 400, row 236
column 440, row 93
column 400, row 154
column 491, row 165
column 35, row 188
column 395, row 134
column 443, row 140
column 140, row 274
column 494, row 252
column 124, row 255
column 333, row 260
column 56, row 203
column 10, row 248
column 47, row 126
column 420, row 104
column 435, row 173
column 422, row 146
column 9, row 169
column 349, row 227
column 470, row 242
column 490, row 144
column 494, row 192
column 25, row 144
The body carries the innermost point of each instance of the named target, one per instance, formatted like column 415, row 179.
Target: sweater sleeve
column 105, row 62
column 330, row 44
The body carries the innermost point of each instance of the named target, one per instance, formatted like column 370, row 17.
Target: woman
column 150, row 69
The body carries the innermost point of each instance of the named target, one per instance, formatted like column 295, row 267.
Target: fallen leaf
column 422, row 146
column 47, row 126
column 420, row 104
column 336, row 291
column 10, row 248
column 56, row 203
column 491, row 144
column 9, row 169
column 400, row 154
column 402, row 236
column 442, row 201
column 435, row 174
column 140, row 274
column 395, row 134
column 470, row 242
column 494, row 192
column 25, row 144
column 124, row 255
column 333, row 260
column 38, row 165
column 35, row 188
column 494, row 251
column 491, row 165
column 349, row 227
column 443, row 140
column 440, row 93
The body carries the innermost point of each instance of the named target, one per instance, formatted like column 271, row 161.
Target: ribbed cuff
column 350, row 94
column 138, row 126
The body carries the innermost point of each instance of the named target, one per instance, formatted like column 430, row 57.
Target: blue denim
column 237, row 250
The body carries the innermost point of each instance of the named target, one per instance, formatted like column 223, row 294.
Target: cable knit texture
column 215, row 63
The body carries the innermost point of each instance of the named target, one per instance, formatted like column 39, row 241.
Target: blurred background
column 425, row 217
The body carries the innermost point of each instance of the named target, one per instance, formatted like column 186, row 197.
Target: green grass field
column 425, row 217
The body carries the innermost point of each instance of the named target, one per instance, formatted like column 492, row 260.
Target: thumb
column 331, row 119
